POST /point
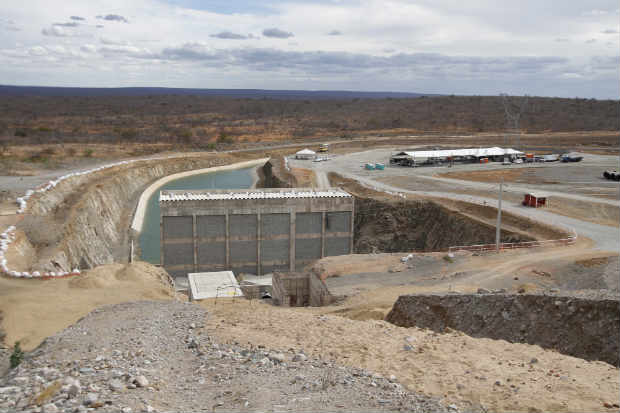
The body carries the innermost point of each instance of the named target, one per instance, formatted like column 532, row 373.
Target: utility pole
column 499, row 217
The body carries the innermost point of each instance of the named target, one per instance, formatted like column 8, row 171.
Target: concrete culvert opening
column 299, row 290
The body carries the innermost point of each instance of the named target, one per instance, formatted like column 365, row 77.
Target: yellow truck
column 324, row 147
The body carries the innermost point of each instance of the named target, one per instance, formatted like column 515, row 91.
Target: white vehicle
column 518, row 160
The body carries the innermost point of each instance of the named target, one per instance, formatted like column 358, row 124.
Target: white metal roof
column 205, row 195
column 477, row 152
column 306, row 152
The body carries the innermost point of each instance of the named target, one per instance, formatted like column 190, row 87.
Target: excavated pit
column 424, row 226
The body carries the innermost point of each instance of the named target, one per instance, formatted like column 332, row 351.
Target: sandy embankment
column 467, row 371
column 138, row 219
column 35, row 309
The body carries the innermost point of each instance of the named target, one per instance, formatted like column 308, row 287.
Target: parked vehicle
column 612, row 175
column 571, row 157
column 551, row 158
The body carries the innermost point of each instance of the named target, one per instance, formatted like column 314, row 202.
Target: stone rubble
column 158, row 357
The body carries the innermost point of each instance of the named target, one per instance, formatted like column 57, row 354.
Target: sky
column 564, row 48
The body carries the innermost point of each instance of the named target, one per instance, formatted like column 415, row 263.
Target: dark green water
column 149, row 238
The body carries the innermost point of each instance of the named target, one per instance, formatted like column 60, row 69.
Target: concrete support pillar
column 227, row 241
column 195, row 241
column 259, row 265
column 323, row 216
column 292, row 243
column 351, row 245
column 161, row 240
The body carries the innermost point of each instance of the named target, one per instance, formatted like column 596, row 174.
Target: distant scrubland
column 210, row 122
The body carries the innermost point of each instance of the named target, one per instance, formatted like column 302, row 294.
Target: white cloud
column 37, row 51
column 108, row 41
column 595, row 12
column 469, row 35
column 88, row 48
column 55, row 30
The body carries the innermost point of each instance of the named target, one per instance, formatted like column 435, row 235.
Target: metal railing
column 570, row 240
column 224, row 291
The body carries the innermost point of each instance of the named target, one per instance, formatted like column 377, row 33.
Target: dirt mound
column 154, row 356
column 460, row 368
column 36, row 309
column 139, row 273
column 417, row 226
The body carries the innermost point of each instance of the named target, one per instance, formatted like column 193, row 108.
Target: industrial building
column 306, row 154
column 414, row 158
column 255, row 231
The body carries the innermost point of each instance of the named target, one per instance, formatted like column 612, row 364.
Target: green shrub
column 224, row 138
column 129, row 134
column 21, row 133
column 17, row 356
column 88, row 153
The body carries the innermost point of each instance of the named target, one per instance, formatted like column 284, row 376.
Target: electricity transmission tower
column 513, row 118
column 513, row 111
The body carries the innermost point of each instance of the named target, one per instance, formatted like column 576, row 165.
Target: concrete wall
column 256, row 236
column 299, row 289
column 585, row 328
column 291, row 290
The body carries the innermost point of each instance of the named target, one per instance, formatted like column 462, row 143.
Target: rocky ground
column 158, row 356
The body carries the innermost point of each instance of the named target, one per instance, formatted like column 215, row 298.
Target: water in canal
column 149, row 238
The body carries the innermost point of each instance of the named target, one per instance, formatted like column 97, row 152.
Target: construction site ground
column 473, row 373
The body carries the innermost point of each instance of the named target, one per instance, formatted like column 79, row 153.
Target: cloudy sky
column 563, row 48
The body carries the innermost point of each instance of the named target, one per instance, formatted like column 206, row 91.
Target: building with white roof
column 495, row 153
column 305, row 154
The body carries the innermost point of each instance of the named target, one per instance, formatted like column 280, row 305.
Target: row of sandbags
column 6, row 238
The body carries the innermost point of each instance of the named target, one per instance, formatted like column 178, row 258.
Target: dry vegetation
column 217, row 122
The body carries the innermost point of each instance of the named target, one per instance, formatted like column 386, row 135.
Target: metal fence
column 516, row 245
